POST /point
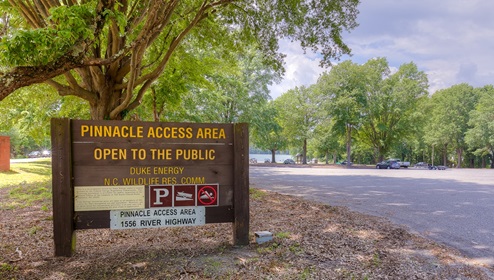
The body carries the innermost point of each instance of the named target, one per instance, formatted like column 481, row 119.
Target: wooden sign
column 124, row 175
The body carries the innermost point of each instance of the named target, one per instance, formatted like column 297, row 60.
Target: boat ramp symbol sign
column 183, row 195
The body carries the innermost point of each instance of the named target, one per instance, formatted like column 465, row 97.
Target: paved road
column 454, row 207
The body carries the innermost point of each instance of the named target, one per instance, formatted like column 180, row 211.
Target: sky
column 452, row 41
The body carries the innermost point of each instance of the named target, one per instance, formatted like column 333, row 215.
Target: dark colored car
column 437, row 167
column 388, row 164
column 421, row 165
column 34, row 154
column 289, row 161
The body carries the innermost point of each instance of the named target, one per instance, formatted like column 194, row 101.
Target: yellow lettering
column 222, row 134
column 161, row 154
column 195, row 154
column 113, row 154
column 192, row 180
column 189, row 132
column 111, row 181
column 116, row 132
column 112, row 131
column 138, row 154
column 168, row 180
column 84, row 129
column 140, row 170
column 151, row 133
column 210, row 133
column 199, row 133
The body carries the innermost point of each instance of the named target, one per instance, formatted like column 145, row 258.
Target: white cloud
column 300, row 69
column 450, row 40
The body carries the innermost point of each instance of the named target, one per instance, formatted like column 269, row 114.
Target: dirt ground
column 310, row 241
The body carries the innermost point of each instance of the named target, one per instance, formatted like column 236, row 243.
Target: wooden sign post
column 130, row 175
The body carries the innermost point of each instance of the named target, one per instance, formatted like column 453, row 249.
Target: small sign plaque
column 158, row 217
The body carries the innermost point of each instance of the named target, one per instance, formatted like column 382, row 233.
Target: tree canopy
column 110, row 53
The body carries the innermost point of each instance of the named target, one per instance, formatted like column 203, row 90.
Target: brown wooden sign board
column 120, row 174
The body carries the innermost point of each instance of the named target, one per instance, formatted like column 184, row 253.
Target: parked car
column 388, row 164
column 314, row 160
column 404, row 164
column 421, row 165
column 437, row 167
column 345, row 162
column 46, row 153
column 289, row 161
column 34, row 154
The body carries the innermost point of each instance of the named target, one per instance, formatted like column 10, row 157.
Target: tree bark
column 459, row 153
column 304, row 156
column 348, row 144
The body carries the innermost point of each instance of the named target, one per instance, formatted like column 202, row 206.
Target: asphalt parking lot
column 454, row 207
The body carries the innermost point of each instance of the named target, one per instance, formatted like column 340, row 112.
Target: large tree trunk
column 459, row 153
column 273, row 153
column 108, row 100
column 348, row 145
column 304, row 156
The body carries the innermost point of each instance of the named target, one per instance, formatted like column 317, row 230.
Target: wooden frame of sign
column 130, row 160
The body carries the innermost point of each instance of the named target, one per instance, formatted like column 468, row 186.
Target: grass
column 256, row 193
column 27, row 183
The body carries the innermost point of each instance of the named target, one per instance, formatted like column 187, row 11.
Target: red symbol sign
column 207, row 195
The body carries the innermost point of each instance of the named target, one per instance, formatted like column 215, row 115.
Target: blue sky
column 452, row 41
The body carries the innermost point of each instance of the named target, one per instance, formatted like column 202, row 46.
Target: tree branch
column 28, row 75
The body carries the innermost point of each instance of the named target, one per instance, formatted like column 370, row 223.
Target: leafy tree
column 449, row 119
column 110, row 53
column 266, row 132
column 297, row 110
column 26, row 116
column 480, row 137
column 342, row 94
column 391, row 105
column 326, row 142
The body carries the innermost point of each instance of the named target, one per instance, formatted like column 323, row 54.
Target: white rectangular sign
column 97, row 198
column 158, row 217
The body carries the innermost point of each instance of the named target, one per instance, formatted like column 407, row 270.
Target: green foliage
column 390, row 111
column 28, row 113
column 368, row 104
column 449, row 119
column 68, row 26
column 480, row 135
column 297, row 110
column 326, row 142
column 265, row 130
column 342, row 93
column 111, row 54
